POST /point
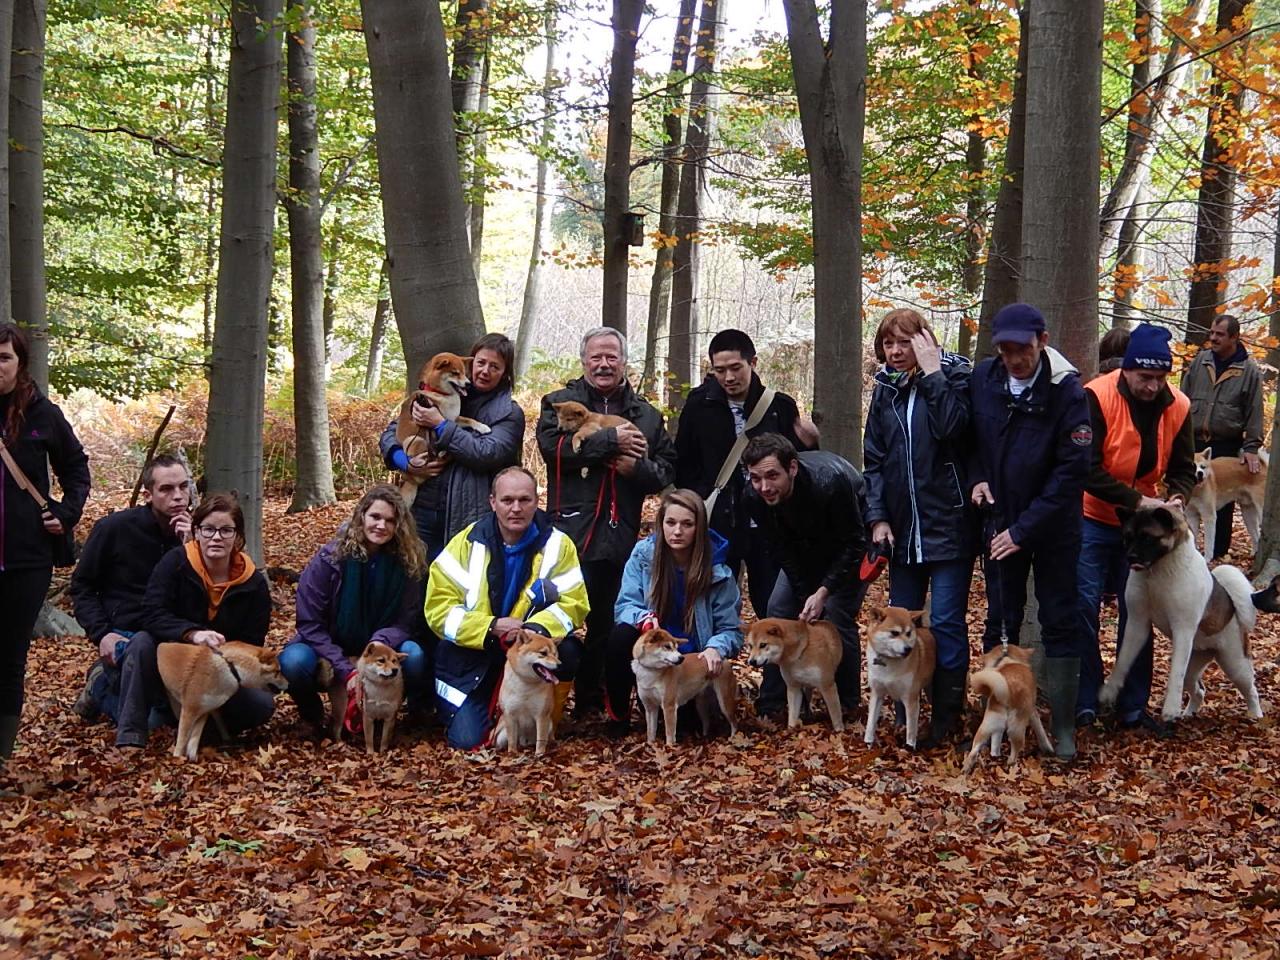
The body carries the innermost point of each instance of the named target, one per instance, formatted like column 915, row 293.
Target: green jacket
column 1228, row 407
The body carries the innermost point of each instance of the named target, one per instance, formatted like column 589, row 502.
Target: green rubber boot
column 1062, row 683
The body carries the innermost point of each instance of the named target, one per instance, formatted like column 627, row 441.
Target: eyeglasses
column 216, row 533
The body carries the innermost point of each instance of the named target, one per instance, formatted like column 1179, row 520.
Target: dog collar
column 230, row 666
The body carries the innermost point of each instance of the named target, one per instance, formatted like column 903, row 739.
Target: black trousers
column 1222, row 538
column 619, row 678
column 1061, row 628
column 842, row 611
column 603, row 579
column 21, row 596
column 762, row 569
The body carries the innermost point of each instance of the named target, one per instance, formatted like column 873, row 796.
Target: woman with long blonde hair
column 677, row 579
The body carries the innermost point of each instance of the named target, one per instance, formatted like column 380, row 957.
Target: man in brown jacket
column 1225, row 388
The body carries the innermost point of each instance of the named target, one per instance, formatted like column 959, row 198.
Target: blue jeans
column 947, row 582
column 1102, row 566
column 298, row 663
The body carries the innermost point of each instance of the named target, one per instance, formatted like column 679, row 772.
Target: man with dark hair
column 718, row 419
column 808, row 507
column 1224, row 386
column 109, row 583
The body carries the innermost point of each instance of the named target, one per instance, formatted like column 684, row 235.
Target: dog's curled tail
column 991, row 683
column 1240, row 590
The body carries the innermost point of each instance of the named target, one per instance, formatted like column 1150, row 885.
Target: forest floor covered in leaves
column 771, row 845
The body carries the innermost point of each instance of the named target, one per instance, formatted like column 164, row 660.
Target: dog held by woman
column 1207, row 616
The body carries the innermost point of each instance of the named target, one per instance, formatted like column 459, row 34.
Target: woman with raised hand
column 365, row 584
column 33, row 537
column 676, row 578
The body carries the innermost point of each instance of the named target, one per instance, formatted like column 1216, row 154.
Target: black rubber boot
column 1062, row 683
column 8, row 735
column 950, row 689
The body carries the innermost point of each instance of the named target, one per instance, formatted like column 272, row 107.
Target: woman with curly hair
column 363, row 585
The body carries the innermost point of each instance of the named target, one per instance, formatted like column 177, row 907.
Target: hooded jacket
column 177, row 603
column 914, row 462
column 717, row 613
column 1033, row 451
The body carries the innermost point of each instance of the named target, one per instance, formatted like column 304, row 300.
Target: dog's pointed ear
column 402, row 657
column 878, row 614
column 1207, row 453
column 1165, row 516
column 917, row 617
column 367, row 648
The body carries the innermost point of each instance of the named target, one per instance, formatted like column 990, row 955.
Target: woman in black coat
column 36, row 434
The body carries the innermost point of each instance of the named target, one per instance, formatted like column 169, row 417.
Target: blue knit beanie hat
column 1148, row 349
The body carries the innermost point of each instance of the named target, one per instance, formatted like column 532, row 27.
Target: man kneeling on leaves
column 508, row 571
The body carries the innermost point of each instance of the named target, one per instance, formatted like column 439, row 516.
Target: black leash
column 989, row 532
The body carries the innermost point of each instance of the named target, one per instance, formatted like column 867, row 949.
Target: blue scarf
column 512, row 565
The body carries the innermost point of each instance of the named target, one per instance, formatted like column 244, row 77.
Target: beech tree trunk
column 1217, row 184
column 213, row 131
column 466, row 79
column 682, row 354
column 830, row 79
column 479, row 175
column 6, row 49
column 527, row 330
column 1273, row 355
column 26, row 183
column 237, row 381
column 378, row 335
column 617, row 162
column 1060, row 186
column 433, row 286
column 673, row 133
column 975, row 164
column 1002, row 273
column 313, row 485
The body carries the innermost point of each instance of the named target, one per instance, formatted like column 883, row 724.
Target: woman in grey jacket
column 456, row 492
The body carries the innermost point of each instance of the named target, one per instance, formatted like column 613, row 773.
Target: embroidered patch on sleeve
column 1082, row 435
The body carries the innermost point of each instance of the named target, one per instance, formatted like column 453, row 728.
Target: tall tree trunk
column 237, row 381
column 682, row 360
column 1273, row 355
column 831, row 88
column 471, row 31
column 1129, row 261
column 533, row 278
column 672, row 147
column 1217, row 182
column 617, row 163
column 975, row 157
column 378, row 336
column 1002, row 273
column 479, row 175
column 214, row 133
column 313, row 485
column 433, row 287
column 6, row 51
column 26, row 182
column 1060, row 176
column 330, row 312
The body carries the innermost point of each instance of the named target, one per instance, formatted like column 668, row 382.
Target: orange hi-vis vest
column 1123, row 443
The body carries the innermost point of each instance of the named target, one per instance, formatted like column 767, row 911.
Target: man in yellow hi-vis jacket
column 507, row 571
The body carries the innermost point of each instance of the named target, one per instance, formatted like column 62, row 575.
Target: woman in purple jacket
column 363, row 585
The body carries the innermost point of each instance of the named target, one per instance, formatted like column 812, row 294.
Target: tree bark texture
column 1002, row 273
column 433, row 286
column 975, row 158
column 479, row 175
column 830, row 81
column 1129, row 261
column 26, row 183
column 237, row 382
column 655, row 336
column 471, row 32
column 617, row 162
column 532, row 299
column 1273, row 355
column 1060, row 185
column 378, row 335
column 1217, row 185
column 313, row 485
column 682, row 353
column 6, row 50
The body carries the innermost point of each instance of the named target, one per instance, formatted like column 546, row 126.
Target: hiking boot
column 87, row 706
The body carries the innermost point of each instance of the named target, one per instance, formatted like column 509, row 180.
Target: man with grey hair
column 594, row 494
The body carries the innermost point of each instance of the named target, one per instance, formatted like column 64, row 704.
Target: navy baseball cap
column 1017, row 323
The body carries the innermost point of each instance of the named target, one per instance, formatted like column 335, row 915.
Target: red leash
column 610, row 479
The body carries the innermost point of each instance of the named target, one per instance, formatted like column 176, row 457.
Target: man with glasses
column 107, row 588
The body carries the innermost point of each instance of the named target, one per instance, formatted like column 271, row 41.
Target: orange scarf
column 241, row 570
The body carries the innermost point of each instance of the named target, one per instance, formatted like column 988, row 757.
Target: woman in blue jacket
column 676, row 579
column 916, row 494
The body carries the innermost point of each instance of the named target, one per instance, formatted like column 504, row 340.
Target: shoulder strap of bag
column 735, row 452
column 21, row 478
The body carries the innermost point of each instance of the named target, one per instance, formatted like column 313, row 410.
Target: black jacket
column 176, row 603
column 913, row 452
column 707, row 432
column 110, row 579
column 817, row 533
column 1033, row 451
column 584, row 506
column 46, row 438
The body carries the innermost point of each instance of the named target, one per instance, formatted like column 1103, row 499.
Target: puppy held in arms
column 666, row 679
column 1009, row 685
column 442, row 383
column 573, row 417
column 900, row 661
column 528, row 693
column 1206, row 616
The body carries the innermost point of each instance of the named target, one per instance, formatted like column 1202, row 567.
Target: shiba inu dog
column 1205, row 616
column 807, row 655
column 442, row 381
column 666, row 679
column 380, row 691
column 573, row 417
column 900, row 660
column 200, row 679
column 1010, row 688
column 528, row 693
column 1220, row 481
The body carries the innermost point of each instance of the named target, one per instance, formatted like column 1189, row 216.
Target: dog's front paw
column 481, row 428
column 1108, row 694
